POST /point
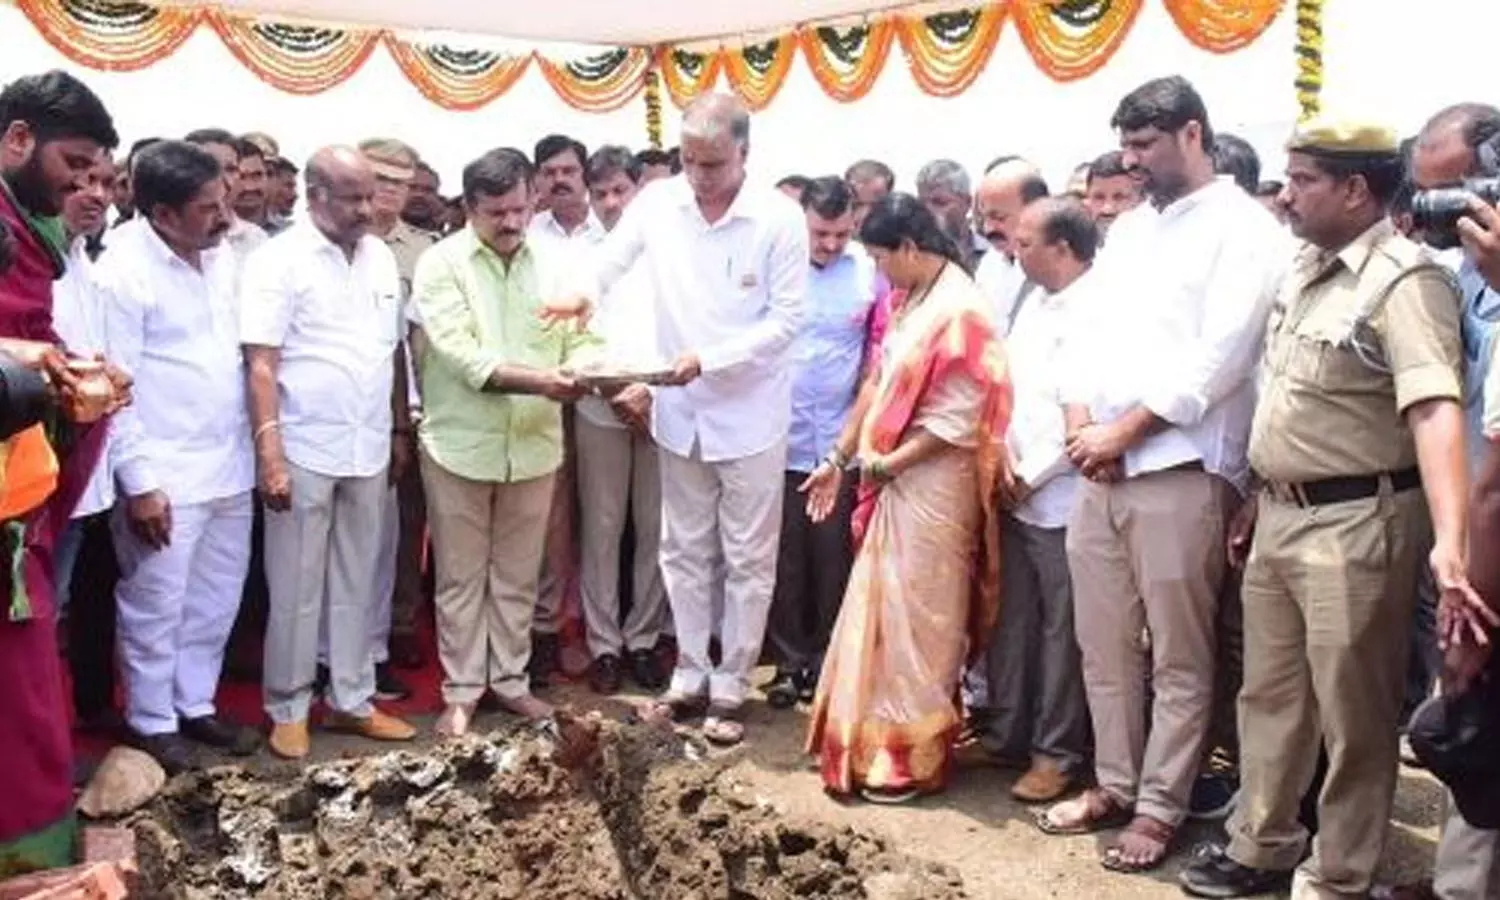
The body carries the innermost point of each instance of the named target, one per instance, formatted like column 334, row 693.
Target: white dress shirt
column 625, row 327
column 338, row 323
column 1038, row 430
column 174, row 328
column 1176, row 322
column 731, row 292
column 544, row 224
column 78, row 318
column 1002, row 281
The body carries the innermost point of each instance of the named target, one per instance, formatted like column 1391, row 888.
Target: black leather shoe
column 783, row 691
column 604, row 674
column 170, row 751
column 543, row 662
column 212, row 731
column 1213, row 874
column 807, row 686
column 646, row 670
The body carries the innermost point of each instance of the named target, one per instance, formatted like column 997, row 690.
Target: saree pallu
column 924, row 592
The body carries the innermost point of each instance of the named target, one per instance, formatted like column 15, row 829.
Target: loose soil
column 610, row 812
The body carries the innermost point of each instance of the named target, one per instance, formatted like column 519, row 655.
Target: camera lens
column 1436, row 213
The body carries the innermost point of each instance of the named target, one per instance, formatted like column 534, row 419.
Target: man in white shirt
column 182, row 452
column 321, row 325
column 944, row 188
column 569, row 221
column 1036, row 677
column 728, row 271
column 242, row 237
column 618, row 472
column 1159, row 413
column 1007, row 189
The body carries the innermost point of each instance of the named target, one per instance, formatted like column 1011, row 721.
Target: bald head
column 340, row 194
column 1055, row 240
column 1447, row 149
column 1007, row 190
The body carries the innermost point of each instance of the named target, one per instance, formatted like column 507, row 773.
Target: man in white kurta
column 182, row 452
column 728, row 269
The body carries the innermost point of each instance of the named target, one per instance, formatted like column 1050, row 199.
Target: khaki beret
column 1339, row 138
column 390, row 158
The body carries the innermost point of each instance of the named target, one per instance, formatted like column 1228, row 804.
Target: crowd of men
column 332, row 364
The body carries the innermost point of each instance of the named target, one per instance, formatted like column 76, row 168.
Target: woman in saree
column 928, row 432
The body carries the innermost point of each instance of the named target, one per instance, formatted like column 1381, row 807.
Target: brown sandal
column 1096, row 810
column 1156, row 834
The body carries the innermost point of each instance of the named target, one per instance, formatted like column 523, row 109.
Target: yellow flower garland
column 1309, row 81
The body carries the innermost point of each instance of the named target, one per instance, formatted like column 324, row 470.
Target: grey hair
column 944, row 174
column 710, row 115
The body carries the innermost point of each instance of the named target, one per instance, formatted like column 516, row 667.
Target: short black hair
column 608, row 160
column 246, row 149
column 57, row 106
column 1001, row 160
column 674, row 159
column 280, row 165
column 136, row 148
column 496, row 174
column 557, row 144
column 1107, row 165
column 870, row 169
column 797, row 183
column 205, row 136
column 1167, row 104
column 170, row 174
column 1067, row 222
column 1270, row 188
column 1383, row 173
column 829, row 196
column 1234, row 156
column 653, row 156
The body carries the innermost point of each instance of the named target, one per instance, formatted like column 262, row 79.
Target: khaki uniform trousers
column 487, row 540
column 1328, row 619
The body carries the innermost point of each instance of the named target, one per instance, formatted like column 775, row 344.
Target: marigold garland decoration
column 757, row 71
column 1068, row 40
column 298, row 59
column 1075, row 38
column 947, row 51
column 1223, row 26
column 687, row 74
column 453, row 78
column 653, row 107
column 599, row 83
column 846, row 61
column 1309, row 81
column 117, row 37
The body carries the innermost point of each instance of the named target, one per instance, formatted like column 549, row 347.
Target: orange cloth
column 28, row 472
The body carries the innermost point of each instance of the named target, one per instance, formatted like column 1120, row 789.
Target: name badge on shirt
column 748, row 280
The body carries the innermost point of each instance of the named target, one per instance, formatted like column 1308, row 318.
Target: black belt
column 1343, row 488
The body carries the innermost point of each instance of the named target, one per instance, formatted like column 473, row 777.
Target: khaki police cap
column 267, row 144
column 1343, row 138
column 390, row 158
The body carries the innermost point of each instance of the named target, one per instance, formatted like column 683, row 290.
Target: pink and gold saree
column 924, row 592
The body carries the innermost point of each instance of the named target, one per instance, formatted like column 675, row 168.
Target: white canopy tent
column 1383, row 58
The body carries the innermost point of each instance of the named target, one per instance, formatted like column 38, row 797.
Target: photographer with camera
column 1454, row 164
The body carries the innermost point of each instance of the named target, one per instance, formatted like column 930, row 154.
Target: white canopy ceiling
column 607, row 22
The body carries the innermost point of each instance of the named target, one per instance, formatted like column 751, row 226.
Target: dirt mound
column 635, row 813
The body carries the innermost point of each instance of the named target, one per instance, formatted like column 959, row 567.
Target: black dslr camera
column 1435, row 213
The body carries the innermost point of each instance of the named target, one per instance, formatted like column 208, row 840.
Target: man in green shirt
column 493, row 379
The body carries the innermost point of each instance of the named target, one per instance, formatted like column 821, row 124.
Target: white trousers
column 321, row 557
column 385, row 588
column 734, row 505
column 176, row 607
column 619, row 476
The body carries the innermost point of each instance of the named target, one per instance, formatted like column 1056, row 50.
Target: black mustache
column 995, row 236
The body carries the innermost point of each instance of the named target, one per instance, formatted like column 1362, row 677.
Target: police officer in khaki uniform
column 1358, row 448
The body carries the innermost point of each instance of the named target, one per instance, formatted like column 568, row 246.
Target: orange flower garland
column 456, row 79
column 1223, row 26
column 757, row 72
column 1069, row 43
column 298, row 59
column 687, row 74
column 848, row 76
column 602, row 83
column 945, row 66
column 116, row 37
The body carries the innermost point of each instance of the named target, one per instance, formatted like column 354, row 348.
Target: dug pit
column 631, row 812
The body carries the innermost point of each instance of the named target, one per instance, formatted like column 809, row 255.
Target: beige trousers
column 1328, row 619
column 487, row 548
column 1148, row 554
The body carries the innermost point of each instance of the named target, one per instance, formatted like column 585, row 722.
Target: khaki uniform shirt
column 408, row 244
column 1333, row 388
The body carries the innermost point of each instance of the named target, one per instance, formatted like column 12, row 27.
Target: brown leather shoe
column 1043, row 783
column 377, row 726
column 290, row 740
